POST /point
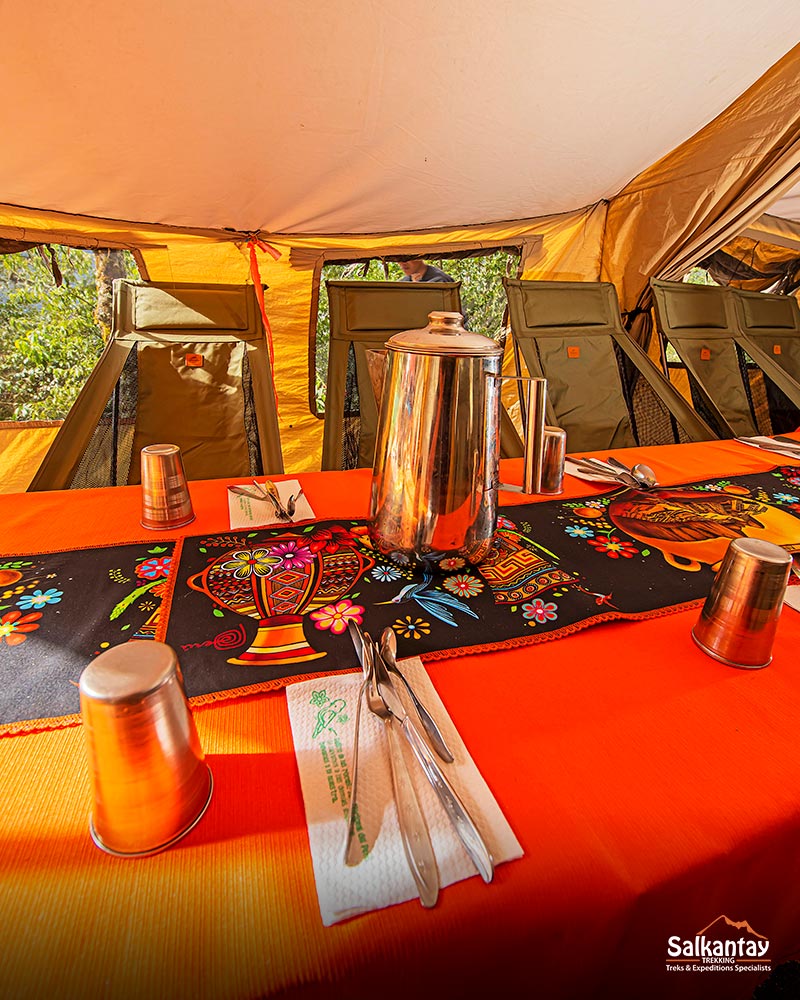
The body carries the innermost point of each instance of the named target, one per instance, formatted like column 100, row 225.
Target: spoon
column 388, row 649
column 625, row 471
column 291, row 503
column 270, row 492
column 645, row 475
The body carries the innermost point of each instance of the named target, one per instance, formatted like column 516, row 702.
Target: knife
column 776, row 449
column 789, row 442
column 456, row 811
column 353, row 854
column 414, row 833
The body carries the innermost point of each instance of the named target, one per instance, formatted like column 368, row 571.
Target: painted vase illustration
column 695, row 527
column 277, row 582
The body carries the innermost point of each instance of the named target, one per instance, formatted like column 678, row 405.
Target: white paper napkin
column 322, row 713
column 245, row 512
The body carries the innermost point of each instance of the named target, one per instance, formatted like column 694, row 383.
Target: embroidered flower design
column 411, row 628
column 385, row 574
column 463, row 584
column 400, row 558
column 245, row 563
column 786, row 498
column 578, row 531
column 319, row 698
column 452, row 562
column 614, row 547
column 503, row 522
column 40, row 600
column 159, row 590
column 292, row 555
column 14, row 626
column 540, row 612
column 151, row 569
column 336, row 617
column 329, row 539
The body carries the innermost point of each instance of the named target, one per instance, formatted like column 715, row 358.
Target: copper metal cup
column 738, row 621
column 150, row 782
column 555, row 451
column 166, row 502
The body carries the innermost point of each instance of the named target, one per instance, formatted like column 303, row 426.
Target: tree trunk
column 108, row 265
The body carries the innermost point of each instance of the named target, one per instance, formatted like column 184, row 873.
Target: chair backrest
column 772, row 322
column 702, row 323
column 363, row 316
column 186, row 364
column 601, row 387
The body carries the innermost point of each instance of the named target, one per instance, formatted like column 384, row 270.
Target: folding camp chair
column 186, row 364
column 363, row 316
column 772, row 323
column 601, row 386
column 724, row 365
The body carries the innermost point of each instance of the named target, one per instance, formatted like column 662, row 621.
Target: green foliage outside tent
column 482, row 295
column 51, row 333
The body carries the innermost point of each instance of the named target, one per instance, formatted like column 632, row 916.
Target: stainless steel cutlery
column 778, row 445
column 382, row 700
column 269, row 491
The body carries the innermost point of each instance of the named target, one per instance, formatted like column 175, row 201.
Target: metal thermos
column 435, row 478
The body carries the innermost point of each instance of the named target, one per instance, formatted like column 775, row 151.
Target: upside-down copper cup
column 150, row 783
column 739, row 618
column 166, row 502
column 555, row 453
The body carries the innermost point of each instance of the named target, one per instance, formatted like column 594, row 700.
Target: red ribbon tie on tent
column 255, row 242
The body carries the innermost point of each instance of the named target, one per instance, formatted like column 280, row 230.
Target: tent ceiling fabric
column 361, row 116
column 788, row 207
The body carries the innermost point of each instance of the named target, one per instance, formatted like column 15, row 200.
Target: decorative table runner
column 250, row 611
column 60, row 610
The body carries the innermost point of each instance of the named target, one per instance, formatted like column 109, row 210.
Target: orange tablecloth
column 652, row 788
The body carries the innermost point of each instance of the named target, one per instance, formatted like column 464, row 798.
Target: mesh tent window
column 364, row 315
column 185, row 363
column 772, row 324
column 602, row 388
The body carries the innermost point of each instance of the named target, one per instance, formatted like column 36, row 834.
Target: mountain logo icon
column 723, row 927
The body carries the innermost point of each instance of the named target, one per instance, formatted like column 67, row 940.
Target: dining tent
column 255, row 141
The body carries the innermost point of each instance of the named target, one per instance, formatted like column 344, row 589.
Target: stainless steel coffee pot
column 435, row 478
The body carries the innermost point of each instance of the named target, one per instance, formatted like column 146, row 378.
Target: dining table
column 654, row 792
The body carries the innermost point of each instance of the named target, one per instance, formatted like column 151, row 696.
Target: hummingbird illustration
column 434, row 602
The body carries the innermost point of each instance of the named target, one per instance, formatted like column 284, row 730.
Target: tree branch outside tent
column 50, row 334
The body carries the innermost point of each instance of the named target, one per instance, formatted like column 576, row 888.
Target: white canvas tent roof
column 362, row 117
column 613, row 139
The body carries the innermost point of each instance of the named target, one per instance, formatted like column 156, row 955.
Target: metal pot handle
column 536, row 405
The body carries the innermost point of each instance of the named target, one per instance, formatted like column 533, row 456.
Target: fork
column 413, row 829
column 270, row 492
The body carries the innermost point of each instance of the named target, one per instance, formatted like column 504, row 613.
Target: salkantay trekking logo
column 725, row 945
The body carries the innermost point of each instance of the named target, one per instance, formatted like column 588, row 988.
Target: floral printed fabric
column 256, row 609
column 557, row 566
column 59, row 611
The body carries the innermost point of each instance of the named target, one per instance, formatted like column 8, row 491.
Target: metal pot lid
column 444, row 334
